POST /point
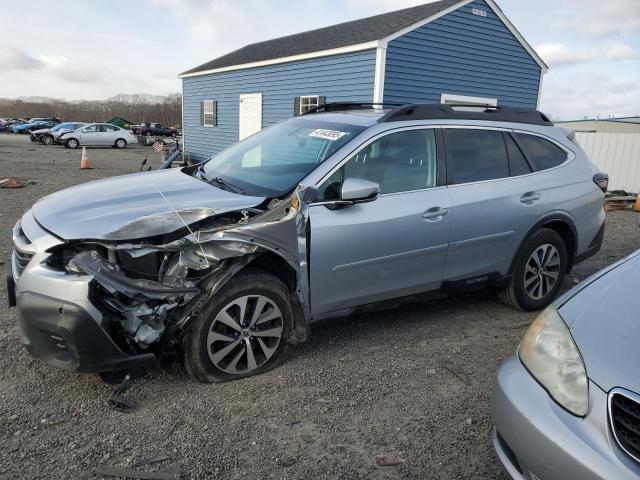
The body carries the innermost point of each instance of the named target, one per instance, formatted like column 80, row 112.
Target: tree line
column 166, row 110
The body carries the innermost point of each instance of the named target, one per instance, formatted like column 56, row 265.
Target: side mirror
column 358, row 190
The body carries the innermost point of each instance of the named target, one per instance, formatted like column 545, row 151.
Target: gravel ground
column 413, row 384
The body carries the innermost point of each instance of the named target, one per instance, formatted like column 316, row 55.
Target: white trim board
column 381, row 69
column 448, row 98
column 295, row 58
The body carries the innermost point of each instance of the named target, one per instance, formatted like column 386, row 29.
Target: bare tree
column 167, row 110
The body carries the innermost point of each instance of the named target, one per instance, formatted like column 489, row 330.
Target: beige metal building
column 609, row 125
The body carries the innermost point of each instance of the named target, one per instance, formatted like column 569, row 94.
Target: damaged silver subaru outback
column 225, row 263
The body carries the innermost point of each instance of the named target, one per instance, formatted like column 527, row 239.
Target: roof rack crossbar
column 449, row 112
column 346, row 106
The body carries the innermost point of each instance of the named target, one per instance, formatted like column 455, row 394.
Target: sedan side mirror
column 358, row 190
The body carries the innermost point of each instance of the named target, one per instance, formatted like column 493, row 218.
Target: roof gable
column 370, row 32
column 328, row 38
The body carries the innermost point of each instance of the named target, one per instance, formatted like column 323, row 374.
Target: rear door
column 496, row 199
column 393, row 246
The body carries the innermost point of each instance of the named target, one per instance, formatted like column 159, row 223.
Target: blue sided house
column 450, row 51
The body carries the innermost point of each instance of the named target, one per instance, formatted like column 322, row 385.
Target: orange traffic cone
column 84, row 162
column 637, row 207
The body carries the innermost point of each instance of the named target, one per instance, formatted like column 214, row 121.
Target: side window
column 518, row 164
column 209, row 113
column 398, row 162
column 91, row 129
column 542, row 153
column 477, row 155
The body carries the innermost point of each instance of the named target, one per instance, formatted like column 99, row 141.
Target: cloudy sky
column 95, row 49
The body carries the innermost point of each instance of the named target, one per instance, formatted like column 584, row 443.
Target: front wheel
column 72, row 143
column 242, row 331
column 121, row 143
column 47, row 140
column 538, row 272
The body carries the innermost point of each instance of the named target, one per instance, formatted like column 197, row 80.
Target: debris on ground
column 389, row 460
column 621, row 200
column 10, row 183
column 165, row 474
column 116, row 399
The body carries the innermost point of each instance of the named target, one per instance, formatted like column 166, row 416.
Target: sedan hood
column 604, row 319
column 42, row 130
column 135, row 206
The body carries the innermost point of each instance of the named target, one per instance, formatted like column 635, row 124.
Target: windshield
column 273, row 161
column 61, row 126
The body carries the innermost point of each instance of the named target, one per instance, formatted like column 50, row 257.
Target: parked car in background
column 34, row 124
column 41, row 125
column 49, row 136
column 154, row 129
column 228, row 261
column 98, row 134
column 566, row 405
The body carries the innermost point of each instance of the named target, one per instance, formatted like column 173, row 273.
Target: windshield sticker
column 332, row 135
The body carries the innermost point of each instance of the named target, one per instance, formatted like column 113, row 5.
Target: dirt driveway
column 413, row 384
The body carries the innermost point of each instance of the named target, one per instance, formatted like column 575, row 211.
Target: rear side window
column 477, row 155
column 541, row 152
column 518, row 164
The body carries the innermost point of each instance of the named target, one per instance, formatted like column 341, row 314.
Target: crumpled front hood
column 604, row 319
column 135, row 206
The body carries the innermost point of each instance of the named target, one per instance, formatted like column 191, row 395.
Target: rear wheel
column 47, row 140
column 242, row 331
column 72, row 143
column 538, row 273
column 121, row 143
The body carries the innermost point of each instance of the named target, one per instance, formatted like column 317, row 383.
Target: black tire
column 120, row 143
column 72, row 143
column 515, row 294
column 251, row 282
column 47, row 140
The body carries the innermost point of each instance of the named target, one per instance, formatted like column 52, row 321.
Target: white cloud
column 622, row 52
column 15, row 60
column 599, row 95
column 561, row 54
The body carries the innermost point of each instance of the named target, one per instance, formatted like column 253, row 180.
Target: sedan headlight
column 553, row 359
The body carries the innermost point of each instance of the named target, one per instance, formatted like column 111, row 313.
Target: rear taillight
column 602, row 181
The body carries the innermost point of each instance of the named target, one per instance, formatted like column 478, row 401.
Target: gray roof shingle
column 336, row 36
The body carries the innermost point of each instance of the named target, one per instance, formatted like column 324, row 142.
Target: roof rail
column 449, row 112
column 347, row 106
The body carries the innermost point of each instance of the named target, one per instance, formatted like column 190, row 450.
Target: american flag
column 158, row 147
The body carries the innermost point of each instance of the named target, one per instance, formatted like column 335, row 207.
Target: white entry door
column 250, row 114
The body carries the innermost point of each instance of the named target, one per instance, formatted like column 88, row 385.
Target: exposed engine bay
column 148, row 290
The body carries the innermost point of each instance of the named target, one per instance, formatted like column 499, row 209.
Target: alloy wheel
column 542, row 271
column 245, row 334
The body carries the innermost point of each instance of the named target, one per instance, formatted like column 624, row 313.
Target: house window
column 308, row 102
column 209, row 113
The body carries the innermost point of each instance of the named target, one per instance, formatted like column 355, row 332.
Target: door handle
column 435, row 213
column 530, row 198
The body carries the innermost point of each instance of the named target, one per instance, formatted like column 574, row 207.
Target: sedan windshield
column 272, row 162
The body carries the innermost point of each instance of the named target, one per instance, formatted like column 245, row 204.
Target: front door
column 391, row 247
column 90, row 135
column 250, row 114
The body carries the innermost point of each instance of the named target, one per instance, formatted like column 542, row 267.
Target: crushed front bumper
column 66, row 336
column 535, row 439
column 58, row 323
